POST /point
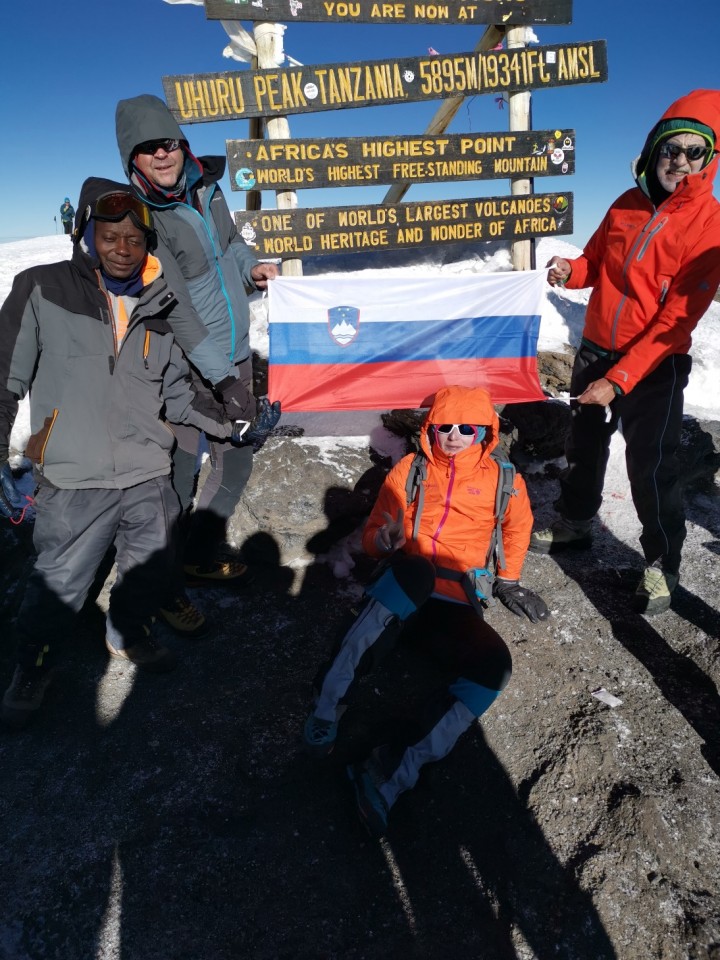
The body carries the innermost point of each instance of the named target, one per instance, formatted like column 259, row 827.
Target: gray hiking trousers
column 73, row 531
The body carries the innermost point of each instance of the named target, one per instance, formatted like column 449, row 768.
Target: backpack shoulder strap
column 414, row 489
column 505, row 484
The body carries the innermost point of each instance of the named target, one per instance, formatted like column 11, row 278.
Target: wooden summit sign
column 310, row 89
column 368, row 11
column 330, row 230
column 368, row 161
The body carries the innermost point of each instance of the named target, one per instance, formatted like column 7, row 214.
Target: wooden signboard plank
column 369, row 161
column 415, row 11
column 322, row 231
column 239, row 94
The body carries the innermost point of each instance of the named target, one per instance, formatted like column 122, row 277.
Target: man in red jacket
column 654, row 265
column 442, row 559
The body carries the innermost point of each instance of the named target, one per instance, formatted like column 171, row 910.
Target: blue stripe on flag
column 472, row 337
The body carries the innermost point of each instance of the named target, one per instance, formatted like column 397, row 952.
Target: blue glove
column 260, row 426
column 12, row 502
column 519, row 600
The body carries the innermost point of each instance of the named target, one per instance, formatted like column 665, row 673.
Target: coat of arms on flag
column 344, row 324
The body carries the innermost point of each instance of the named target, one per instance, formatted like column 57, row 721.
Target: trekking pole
column 55, row 219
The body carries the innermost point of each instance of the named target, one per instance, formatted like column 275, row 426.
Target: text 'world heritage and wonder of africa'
column 331, row 230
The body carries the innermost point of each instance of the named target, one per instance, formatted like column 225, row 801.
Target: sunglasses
column 464, row 429
column 117, row 206
column 673, row 150
column 152, row 146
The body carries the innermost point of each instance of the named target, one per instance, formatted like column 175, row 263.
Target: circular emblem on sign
column 408, row 76
column 567, row 143
column 560, row 204
column 248, row 234
column 245, row 179
column 558, row 134
column 310, row 90
column 564, row 168
column 557, row 156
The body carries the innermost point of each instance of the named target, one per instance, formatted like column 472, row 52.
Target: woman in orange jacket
column 654, row 266
column 440, row 561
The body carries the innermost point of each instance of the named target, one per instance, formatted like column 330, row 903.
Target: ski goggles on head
column 464, row 429
column 117, row 206
column 673, row 150
column 152, row 146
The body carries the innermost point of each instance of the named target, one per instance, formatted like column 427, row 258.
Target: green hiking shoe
column 654, row 592
column 562, row 535
column 24, row 697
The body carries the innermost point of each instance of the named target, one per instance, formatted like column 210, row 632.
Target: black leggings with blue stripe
column 400, row 604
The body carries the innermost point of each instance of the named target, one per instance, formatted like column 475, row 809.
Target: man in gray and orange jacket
column 654, row 266
column 91, row 341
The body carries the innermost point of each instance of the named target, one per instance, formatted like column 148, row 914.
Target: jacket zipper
column 637, row 252
column 47, row 437
column 448, row 497
column 218, row 271
column 111, row 315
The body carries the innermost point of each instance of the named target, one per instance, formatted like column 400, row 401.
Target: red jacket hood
column 702, row 106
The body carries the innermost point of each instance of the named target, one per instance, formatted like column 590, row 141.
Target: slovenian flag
column 376, row 343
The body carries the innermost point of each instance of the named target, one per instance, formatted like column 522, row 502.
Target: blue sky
column 65, row 66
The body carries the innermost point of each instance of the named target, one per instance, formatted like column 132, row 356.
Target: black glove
column 259, row 428
column 12, row 502
column 519, row 600
column 238, row 401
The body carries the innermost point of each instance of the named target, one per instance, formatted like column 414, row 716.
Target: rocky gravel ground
column 176, row 817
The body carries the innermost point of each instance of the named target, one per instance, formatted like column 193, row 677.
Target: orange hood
column 461, row 405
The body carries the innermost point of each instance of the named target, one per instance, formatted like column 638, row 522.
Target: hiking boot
column 147, row 653
column 319, row 736
column 562, row 535
column 370, row 803
column 219, row 572
column 654, row 592
column 24, row 697
column 185, row 618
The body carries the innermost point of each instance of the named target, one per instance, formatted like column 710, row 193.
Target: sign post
column 522, row 252
column 268, row 39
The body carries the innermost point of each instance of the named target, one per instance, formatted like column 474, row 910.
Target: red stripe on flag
column 381, row 386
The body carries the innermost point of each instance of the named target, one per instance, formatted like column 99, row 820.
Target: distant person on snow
column 67, row 215
column 89, row 339
column 654, row 267
column 212, row 270
column 432, row 591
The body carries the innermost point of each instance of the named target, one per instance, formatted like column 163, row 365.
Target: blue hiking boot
column 319, row 736
column 371, row 806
